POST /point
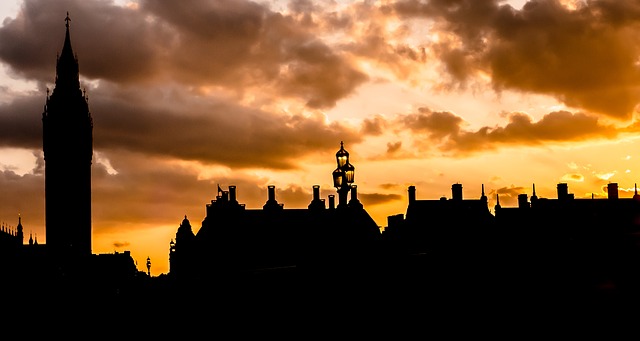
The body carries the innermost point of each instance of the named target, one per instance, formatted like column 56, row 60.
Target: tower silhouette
column 68, row 151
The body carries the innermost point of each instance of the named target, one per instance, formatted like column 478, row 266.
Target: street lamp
column 343, row 175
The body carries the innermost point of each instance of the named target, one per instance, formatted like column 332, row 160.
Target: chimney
column 412, row 194
column 354, row 192
column 456, row 191
column 316, row 203
column 522, row 201
column 232, row 194
column 272, row 203
column 225, row 196
column 354, row 202
column 332, row 201
column 612, row 191
column 563, row 191
column 272, row 193
column 316, row 192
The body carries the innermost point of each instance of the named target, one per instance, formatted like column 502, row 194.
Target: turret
column 19, row 231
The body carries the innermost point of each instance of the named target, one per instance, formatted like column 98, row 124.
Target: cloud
column 585, row 57
column 372, row 199
column 21, row 122
column 445, row 131
column 23, row 195
column 119, row 245
column 508, row 195
column 577, row 177
column 605, row 176
column 211, row 132
column 393, row 147
column 374, row 126
column 238, row 44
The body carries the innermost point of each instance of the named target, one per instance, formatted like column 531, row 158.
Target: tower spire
column 67, row 71
column 534, row 189
column 483, row 197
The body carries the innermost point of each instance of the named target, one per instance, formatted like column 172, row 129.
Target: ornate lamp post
column 343, row 175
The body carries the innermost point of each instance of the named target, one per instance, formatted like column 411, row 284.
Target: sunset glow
column 189, row 95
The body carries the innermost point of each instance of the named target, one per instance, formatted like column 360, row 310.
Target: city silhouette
column 440, row 252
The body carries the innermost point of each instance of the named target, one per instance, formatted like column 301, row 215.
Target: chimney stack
column 563, row 191
column 232, row 194
column 612, row 191
column 412, row 194
column 456, row 191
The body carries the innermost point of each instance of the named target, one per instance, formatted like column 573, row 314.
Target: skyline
column 189, row 96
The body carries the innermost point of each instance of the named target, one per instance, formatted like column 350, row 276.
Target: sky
column 188, row 95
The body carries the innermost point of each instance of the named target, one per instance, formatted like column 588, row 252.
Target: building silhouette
column 64, row 268
column 321, row 241
column 446, row 250
column 68, row 151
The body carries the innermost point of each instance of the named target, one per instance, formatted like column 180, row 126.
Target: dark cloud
column 374, row 125
column 586, row 57
column 393, row 147
column 444, row 130
column 508, row 195
column 21, row 122
column 215, row 132
column 119, row 245
column 372, row 199
column 391, row 186
column 195, row 43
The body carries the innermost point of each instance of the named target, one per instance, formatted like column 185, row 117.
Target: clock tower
column 68, row 151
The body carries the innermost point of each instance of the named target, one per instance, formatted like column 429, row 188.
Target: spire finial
column 482, row 189
column 67, row 19
column 534, row 189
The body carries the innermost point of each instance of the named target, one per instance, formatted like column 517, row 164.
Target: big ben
column 68, row 152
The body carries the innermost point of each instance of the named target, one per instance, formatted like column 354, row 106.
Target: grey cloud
column 586, row 58
column 237, row 44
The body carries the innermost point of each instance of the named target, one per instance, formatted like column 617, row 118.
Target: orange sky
column 186, row 95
